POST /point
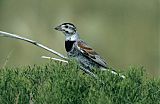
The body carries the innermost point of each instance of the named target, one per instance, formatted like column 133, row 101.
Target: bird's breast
column 69, row 45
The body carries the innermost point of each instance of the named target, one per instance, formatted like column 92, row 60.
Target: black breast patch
column 69, row 45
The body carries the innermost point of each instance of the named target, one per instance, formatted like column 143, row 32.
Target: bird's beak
column 58, row 28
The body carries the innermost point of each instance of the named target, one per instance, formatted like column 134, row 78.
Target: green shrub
column 59, row 83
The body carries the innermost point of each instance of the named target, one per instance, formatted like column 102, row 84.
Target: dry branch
column 6, row 34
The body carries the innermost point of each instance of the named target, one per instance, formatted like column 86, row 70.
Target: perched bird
column 78, row 49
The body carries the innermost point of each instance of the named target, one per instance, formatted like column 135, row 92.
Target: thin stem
column 56, row 59
column 6, row 34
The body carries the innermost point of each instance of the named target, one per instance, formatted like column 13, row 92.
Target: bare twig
column 31, row 98
column 17, row 98
column 6, row 34
column 56, row 59
column 115, row 73
column 7, row 58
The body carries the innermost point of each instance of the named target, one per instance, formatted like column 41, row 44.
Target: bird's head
column 69, row 31
column 66, row 28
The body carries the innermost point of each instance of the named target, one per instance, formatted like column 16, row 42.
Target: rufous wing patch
column 85, row 48
column 89, row 52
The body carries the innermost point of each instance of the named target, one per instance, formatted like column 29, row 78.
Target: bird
column 84, row 54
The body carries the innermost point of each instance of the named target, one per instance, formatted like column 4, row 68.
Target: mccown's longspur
column 84, row 54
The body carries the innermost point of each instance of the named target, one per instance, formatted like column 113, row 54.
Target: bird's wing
column 90, row 53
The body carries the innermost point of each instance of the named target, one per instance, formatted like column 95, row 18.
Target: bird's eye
column 66, row 26
column 67, row 32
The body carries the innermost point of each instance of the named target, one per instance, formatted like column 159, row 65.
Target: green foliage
column 59, row 83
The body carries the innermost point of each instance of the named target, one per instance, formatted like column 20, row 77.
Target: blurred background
column 125, row 32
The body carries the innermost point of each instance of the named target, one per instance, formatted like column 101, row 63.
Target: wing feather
column 90, row 53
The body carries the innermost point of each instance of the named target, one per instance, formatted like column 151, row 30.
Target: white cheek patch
column 69, row 30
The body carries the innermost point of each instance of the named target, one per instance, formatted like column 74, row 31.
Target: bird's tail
column 114, row 72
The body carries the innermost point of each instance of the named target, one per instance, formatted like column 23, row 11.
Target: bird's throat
column 69, row 45
column 71, row 37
